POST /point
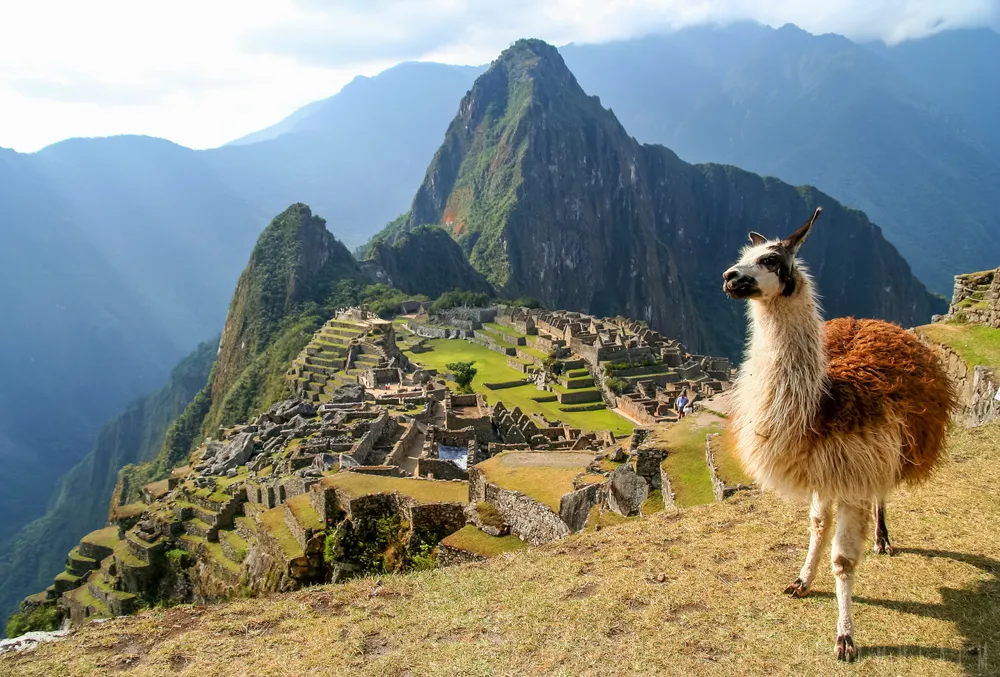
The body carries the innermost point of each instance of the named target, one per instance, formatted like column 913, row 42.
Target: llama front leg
column 819, row 539
column 848, row 548
column 882, row 544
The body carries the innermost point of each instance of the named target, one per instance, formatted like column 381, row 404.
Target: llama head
column 768, row 269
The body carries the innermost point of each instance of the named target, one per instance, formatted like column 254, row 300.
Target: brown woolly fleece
column 874, row 369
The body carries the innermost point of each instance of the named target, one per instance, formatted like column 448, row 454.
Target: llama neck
column 786, row 364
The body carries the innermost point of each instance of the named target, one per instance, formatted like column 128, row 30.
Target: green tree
column 463, row 372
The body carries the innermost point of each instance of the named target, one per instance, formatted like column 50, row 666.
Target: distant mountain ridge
column 550, row 197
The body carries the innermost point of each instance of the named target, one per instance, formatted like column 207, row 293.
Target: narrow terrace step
column 197, row 527
column 272, row 525
column 66, row 581
column 78, row 564
column 143, row 550
column 234, row 546
column 117, row 602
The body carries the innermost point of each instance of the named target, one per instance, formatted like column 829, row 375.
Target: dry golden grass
column 696, row 592
column 423, row 491
column 543, row 475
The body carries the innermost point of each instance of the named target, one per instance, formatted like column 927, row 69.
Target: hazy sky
column 205, row 72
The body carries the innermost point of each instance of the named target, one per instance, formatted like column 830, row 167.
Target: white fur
column 775, row 403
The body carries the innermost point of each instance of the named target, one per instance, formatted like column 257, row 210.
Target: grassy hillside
column 695, row 593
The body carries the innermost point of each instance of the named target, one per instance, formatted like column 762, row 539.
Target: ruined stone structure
column 353, row 346
column 618, row 361
column 976, row 298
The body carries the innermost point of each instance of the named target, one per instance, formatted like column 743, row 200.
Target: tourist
column 681, row 403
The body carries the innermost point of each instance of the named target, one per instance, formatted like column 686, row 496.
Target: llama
column 838, row 412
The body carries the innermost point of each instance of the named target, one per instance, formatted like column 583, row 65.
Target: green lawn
column 974, row 343
column 685, row 463
column 494, row 327
column 492, row 368
column 471, row 539
column 424, row 491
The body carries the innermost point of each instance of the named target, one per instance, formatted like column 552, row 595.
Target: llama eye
column 769, row 260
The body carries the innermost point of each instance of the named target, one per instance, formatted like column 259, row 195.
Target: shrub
column 463, row 372
column 616, row 385
column 422, row 557
column 39, row 619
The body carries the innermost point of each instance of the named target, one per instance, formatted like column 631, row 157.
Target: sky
column 204, row 72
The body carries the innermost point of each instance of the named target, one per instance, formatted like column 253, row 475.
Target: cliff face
column 424, row 261
column 550, row 197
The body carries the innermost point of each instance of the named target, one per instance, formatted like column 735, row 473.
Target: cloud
column 342, row 34
column 202, row 73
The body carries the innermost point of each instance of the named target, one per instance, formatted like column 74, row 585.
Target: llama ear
column 795, row 240
column 756, row 238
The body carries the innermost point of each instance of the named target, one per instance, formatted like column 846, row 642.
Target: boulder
column 324, row 462
column 235, row 452
column 288, row 409
column 296, row 423
column 617, row 454
column 574, row 508
column 627, row 491
column 349, row 392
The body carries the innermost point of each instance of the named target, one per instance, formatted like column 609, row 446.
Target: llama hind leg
column 848, row 548
column 819, row 539
column 882, row 544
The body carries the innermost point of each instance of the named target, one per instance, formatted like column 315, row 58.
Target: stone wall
column 976, row 298
column 398, row 452
column 447, row 556
column 441, row 470
column 529, row 520
column 721, row 488
column 367, row 442
column 977, row 388
column 430, row 522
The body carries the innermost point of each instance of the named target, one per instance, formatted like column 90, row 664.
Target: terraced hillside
column 690, row 591
column 342, row 349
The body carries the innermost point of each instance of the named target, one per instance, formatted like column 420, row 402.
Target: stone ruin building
column 370, row 439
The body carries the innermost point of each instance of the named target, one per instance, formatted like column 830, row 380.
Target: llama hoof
column 797, row 589
column 845, row 649
column 883, row 548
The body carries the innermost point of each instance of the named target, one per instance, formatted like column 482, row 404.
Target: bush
column 422, row 557
column 39, row 619
column 616, row 385
column 463, row 372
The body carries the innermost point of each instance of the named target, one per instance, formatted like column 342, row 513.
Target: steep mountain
column 36, row 552
column 424, row 261
column 296, row 268
column 358, row 155
column 894, row 131
column 550, row 197
column 958, row 70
